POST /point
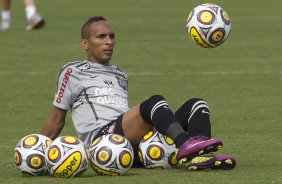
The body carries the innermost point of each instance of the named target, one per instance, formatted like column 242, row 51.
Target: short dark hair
column 85, row 29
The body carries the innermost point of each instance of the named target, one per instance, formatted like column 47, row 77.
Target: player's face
column 100, row 44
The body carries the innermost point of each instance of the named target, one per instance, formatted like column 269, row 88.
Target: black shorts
column 114, row 127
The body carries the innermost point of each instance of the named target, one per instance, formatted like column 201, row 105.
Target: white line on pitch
column 202, row 73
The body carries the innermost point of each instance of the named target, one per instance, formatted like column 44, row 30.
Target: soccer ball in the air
column 208, row 25
column 111, row 155
column 157, row 151
column 66, row 157
column 29, row 154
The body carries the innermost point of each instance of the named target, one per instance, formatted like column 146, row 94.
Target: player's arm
column 54, row 124
column 67, row 91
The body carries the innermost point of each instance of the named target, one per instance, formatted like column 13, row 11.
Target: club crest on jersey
column 83, row 67
column 122, row 82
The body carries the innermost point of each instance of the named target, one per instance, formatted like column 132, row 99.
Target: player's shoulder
column 72, row 69
column 75, row 66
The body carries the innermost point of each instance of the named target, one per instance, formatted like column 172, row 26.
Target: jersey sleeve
column 68, row 88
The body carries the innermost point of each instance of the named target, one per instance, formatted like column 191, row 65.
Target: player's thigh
column 134, row 127
column 130, row 125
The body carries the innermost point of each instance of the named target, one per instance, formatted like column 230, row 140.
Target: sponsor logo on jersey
column 83, row 67
column 78, row 102
column 108, row 96
column 63, row 85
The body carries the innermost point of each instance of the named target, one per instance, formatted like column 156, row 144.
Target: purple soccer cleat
column 211, row 162
column 196, row 146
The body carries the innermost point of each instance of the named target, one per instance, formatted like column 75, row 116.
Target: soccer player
column 96, row 93
column 34, row 20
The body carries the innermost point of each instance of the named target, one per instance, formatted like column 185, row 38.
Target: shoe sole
column 39, row 25
column 207, row 150
column 224, row 164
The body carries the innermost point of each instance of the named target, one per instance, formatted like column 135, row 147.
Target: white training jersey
column 95, row 93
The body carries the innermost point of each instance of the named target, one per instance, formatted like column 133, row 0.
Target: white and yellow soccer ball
column 66, row 157
column 208, row 25
column 29, row 154
column 157, row 151
column 111, row 155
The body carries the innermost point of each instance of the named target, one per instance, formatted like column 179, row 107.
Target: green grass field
column 240, row 80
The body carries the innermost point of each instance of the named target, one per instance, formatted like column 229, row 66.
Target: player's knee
column 147, row 106
column 194, row 100
column 196, row 103
column 155, row 99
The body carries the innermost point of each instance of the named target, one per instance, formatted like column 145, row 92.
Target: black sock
column 177, row 134
column 156, row 112
column 194, row 117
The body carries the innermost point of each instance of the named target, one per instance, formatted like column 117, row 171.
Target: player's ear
column 84, row 43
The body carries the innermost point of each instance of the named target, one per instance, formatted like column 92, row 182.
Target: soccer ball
column 157, row 151
column 29, row 154
column 208, row 25
column 111, row 155
column 66, row 157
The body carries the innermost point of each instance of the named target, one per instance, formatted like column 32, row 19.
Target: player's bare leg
column 5, row 14
column 6, row 4
column 194, row 116
column 155, row 111
column 34, row 20
column 134, row 127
